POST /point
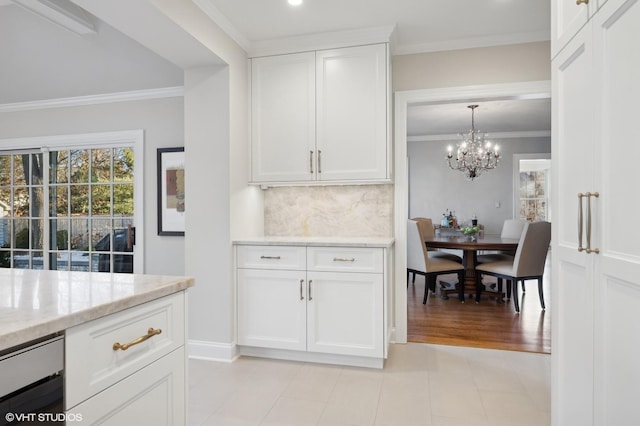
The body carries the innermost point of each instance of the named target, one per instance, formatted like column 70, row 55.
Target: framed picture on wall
column 171, row 202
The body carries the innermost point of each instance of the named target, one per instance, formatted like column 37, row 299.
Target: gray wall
column 433, row 187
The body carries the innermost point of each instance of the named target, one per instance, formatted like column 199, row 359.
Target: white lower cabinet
column 325, row 306
column 152, row 396
column 344, row 313
column 129, row 367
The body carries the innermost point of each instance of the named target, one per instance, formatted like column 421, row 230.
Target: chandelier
column 473, row 155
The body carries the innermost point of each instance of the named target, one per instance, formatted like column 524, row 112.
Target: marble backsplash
column 329, row 211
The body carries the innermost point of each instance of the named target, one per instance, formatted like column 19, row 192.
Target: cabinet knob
column 150, row 333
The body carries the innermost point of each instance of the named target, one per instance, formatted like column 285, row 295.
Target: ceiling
column 420, row 25
column 46, row 61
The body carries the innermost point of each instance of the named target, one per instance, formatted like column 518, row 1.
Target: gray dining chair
column 528, row 262
column 422, row 262
column 426, row 227
column 511, row 228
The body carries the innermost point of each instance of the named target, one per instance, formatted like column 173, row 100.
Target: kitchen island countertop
column 34, row 303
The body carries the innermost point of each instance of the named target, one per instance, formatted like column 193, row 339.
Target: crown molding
column 320, row 41
column 219, row 19
column 472, row 43
column 493, row 136
column 63, row 13
column 106, row 98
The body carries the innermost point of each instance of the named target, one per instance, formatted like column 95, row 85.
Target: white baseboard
column 213, row 351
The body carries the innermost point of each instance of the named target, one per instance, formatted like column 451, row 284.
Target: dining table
column 470, row 247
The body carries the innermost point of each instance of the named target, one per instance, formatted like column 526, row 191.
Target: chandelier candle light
column 474, row 155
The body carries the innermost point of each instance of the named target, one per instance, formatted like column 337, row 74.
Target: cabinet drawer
column 345, row 259
column 272, row 257
column 91, row 362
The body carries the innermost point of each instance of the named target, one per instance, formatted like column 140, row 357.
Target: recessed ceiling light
column 295, row 2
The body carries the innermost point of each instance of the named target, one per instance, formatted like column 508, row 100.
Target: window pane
column 5, row 232
column 37, row 202
column 37, row 233
column 20, row 202
column 79, row 200
column 37, row 261
column 21, row 259
column 101, row 234
column 21, row 233
column 36, row 169
column 100, row 200
column 59, row 163
column 123, row 164
column 79, row 166
column 123, row 199
column 5, row 202
column 100, row 165
column 19, row 177
column 80, row 262
column 5, row 166
column 5, row 259
column 58, row 201
column 79, row 234
column 59, row 239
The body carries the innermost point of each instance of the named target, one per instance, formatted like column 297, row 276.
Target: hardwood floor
column 485, row 325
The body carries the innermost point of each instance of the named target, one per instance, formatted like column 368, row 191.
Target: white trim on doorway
column 524, row 90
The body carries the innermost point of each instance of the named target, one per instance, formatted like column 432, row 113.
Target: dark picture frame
column 171, row 201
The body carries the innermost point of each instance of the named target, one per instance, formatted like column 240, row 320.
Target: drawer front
column 345, row 259
column 93, row 362
column 272, row 257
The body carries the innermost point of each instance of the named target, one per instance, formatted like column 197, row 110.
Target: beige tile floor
column 420, row 384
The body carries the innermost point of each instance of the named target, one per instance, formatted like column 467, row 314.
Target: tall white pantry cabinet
column 321, row 116
column 596, row 238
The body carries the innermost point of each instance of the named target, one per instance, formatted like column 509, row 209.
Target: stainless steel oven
column 31, row 381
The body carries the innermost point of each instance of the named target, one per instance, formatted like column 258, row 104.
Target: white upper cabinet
column 283, row 133
column 567, row 17
column 352, row 113
column 321, row 116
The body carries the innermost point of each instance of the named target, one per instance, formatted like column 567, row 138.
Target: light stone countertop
column 34, row 304
column 317, row 241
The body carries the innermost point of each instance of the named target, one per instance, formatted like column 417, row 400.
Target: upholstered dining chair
column 511, row 228
column 528, row 262
column 426, row 227
column 420, row 261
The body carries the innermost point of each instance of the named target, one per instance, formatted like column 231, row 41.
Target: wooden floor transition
column 487, row 324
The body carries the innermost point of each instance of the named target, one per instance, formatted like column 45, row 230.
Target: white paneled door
column 596, row 344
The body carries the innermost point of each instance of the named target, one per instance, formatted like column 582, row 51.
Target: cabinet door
column 567, row 18
column 572, row 272
column 155, row 395
column 352, row 113
column 617, row 67
column 345, row 313
column 283, row 133
column 272, row 309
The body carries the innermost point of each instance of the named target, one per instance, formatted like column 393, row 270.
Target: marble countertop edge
column 384, row 242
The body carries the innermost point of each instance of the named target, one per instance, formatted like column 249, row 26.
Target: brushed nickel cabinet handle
column 301, row 295
column 150, row 333
column 344, row 259
column 311, row 162
column 319, row 161
column 309, row 290
column 579, row 2
column 580, row 224
column 589, row 195
column 270, row 257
